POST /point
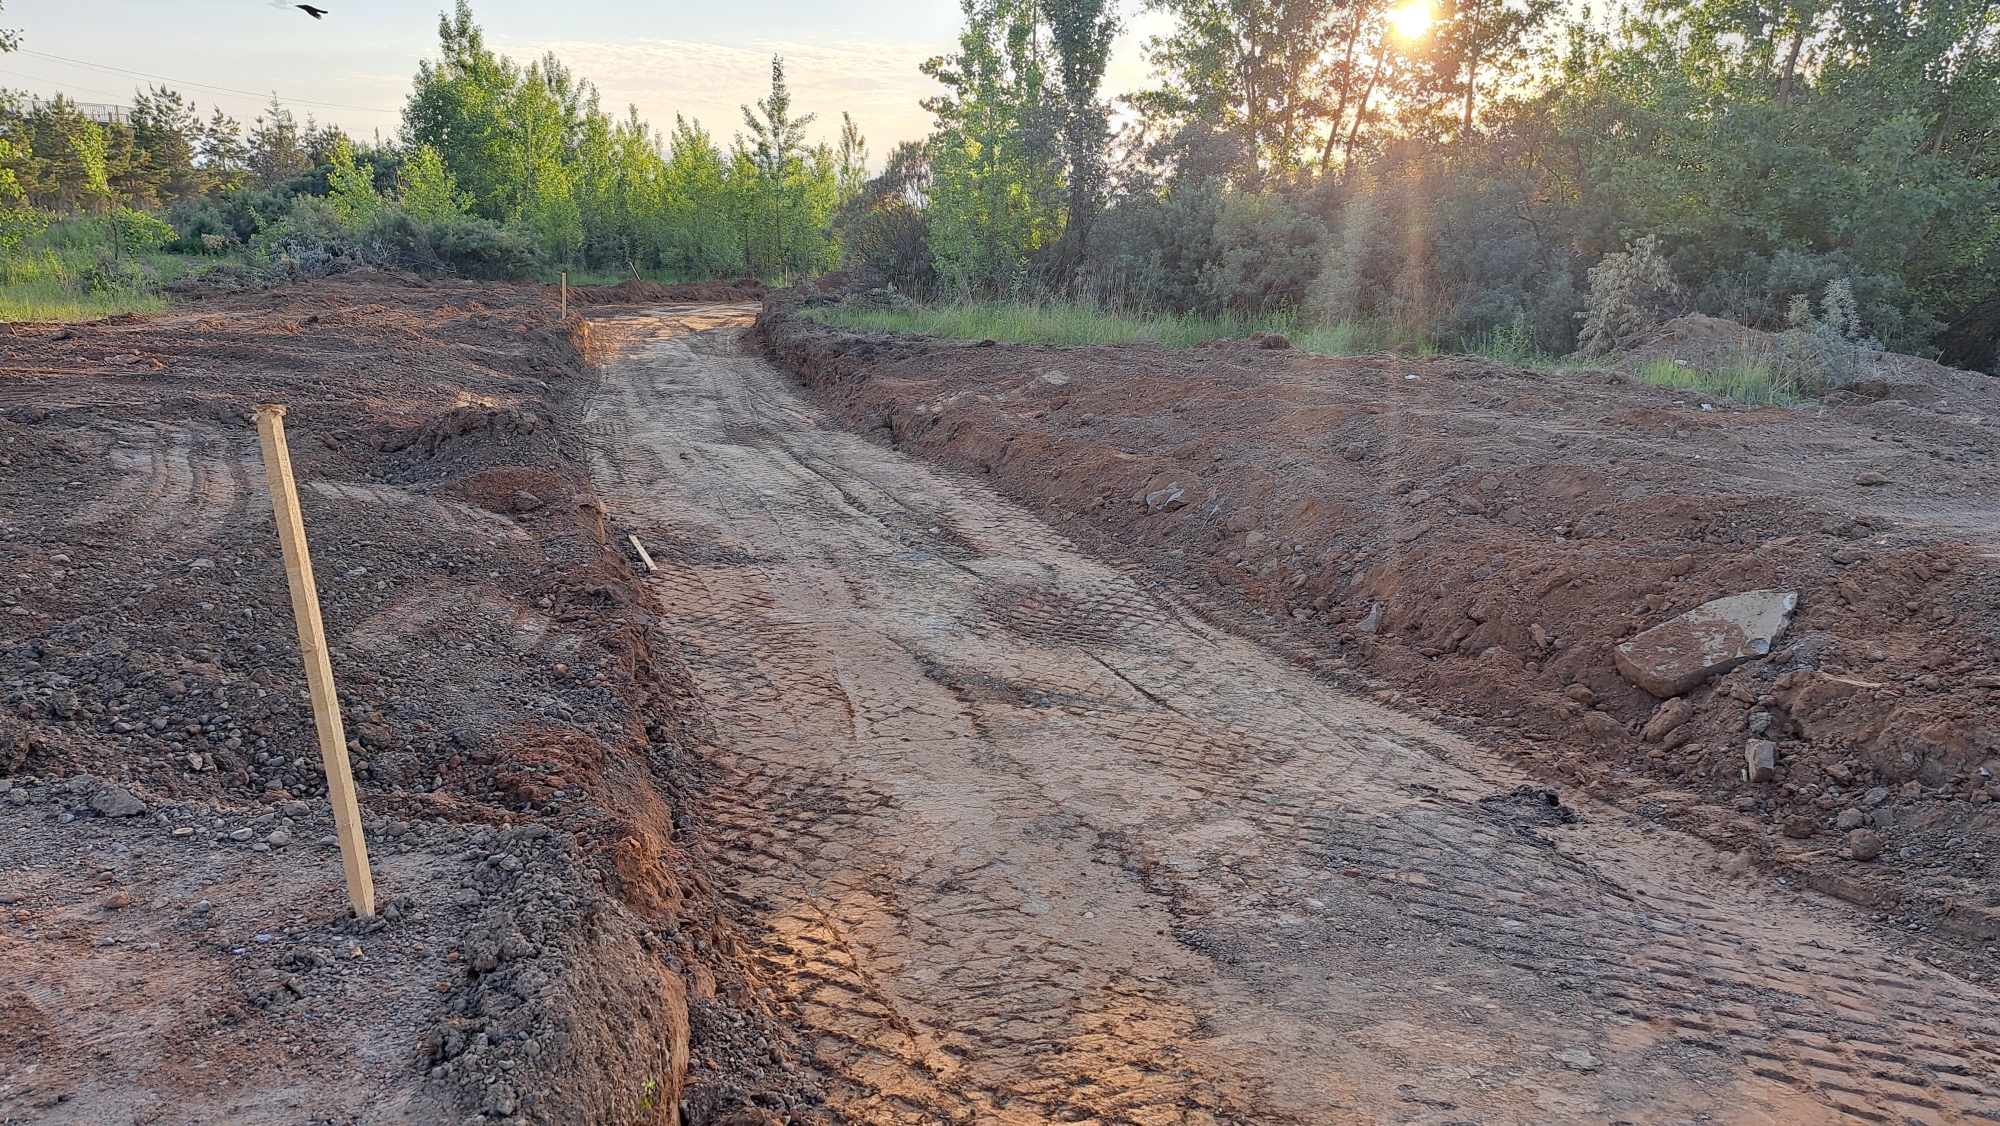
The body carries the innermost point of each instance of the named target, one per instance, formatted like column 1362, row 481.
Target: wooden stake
column 641, row 549
column 312, row 651
column 565, row 295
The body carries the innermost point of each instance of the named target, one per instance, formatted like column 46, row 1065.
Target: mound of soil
column 518, row 724
column 1710, row 343
column 633, row 291
column 1474, row 540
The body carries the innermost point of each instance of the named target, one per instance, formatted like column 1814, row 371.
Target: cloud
column 878, row 83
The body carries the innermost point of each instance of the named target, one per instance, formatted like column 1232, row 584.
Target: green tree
column 698, row 237
column 1081, row 32
column 459, row 105
column 278, row 149
column 995, row 197
column 428, row 190
column 351, row 188
column 87, row 146
column 1254, row 68
column 852, row 156
column 1481, row 41
column 792, row 189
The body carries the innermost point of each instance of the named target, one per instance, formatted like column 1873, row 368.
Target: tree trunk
column 1346, row 88
column 1471, row 89
column 1361, row 110
column 1791, row 67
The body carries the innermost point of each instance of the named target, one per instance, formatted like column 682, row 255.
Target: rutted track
column 1030, row 842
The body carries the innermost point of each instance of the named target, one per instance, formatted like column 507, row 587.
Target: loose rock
column 116, row 801
column 1761, row 760
column 1670, row 716
column 1865, row 844
column 1576, row 1059
column 1679, row 654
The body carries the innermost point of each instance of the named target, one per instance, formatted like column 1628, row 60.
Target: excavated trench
column 1015, row 835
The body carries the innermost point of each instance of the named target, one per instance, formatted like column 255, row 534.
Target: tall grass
column 48, row 302
column 1744, row 378
column 1064, row 322
column 68, row 273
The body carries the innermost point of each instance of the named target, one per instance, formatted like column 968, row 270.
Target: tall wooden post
column 312, row 651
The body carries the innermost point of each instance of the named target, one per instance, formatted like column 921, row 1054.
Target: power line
column 203, row 85
column 53, row 82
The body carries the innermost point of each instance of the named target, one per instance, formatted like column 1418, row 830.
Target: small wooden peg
column 641, row 549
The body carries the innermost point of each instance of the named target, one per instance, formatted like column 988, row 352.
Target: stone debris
column 1576, row 1059
column 1669, row 718
column 1865, row 844
column 1761, row 760
column 1712, row 638
column 1372, row 623
column 116, row 801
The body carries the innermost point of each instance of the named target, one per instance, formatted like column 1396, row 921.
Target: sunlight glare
column 1412, row 19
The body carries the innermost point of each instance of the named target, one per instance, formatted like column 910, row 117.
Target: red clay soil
column 174, row 945
column 1470, row 541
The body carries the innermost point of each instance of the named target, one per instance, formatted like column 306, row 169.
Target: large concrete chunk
column 1714, row 637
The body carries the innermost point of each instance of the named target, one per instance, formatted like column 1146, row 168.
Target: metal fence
column 100, row 112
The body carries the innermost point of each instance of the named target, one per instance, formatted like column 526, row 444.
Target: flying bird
column 308, row 9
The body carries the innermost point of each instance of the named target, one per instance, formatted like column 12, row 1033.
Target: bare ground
column 888, row 798
column 1023, row 835
column 174, row 946
column 1469, row 541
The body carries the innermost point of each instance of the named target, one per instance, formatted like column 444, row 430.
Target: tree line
column 499, row 169
column 1458, row 171
column 1450, row 172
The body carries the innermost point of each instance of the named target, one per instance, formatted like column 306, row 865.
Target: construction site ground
column 938, row 770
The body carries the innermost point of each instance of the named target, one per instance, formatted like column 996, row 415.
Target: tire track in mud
column 1025, row 843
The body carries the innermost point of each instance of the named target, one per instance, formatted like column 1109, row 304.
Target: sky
column 353, row 68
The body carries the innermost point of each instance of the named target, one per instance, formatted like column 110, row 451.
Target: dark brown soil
column 519, row 724
column 1512, row 527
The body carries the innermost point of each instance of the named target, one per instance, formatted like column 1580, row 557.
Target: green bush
column 453, row 243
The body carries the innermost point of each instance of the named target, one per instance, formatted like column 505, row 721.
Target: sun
column 1412, row 19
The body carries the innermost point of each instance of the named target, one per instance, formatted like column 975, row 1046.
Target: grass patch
column 44, row 302
column 1743, row 378
column 1063, row 322
column 67, row 273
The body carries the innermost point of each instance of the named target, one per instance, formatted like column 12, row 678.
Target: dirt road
column 1026, row 839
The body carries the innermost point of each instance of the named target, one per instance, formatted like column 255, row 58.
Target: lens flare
column 1412, row 19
